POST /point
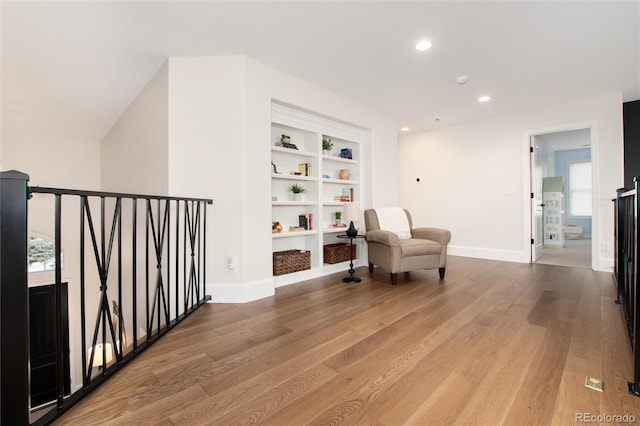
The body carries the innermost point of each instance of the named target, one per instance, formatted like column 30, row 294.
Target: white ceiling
column 74, row 67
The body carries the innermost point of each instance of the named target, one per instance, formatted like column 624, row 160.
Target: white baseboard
column 491, row 254
column 240, row 292
column 296, row 277
column 248, row 292
column 604, row 265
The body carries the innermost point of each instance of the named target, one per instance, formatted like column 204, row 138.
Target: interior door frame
column 595, row 186
column 537, row 235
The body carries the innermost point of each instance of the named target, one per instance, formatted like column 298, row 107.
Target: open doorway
column 561, row 176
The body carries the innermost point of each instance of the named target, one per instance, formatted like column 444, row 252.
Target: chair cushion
column 419, row 247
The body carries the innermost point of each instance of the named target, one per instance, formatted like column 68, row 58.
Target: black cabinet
column 43, row 343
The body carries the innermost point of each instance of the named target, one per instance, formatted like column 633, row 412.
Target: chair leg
column 441, row 270
column 394, row 279
column 370, row 267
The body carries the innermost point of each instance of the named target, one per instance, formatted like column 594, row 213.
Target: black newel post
column 14, row 335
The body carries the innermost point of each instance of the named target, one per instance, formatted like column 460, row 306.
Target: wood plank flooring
column 494, row 343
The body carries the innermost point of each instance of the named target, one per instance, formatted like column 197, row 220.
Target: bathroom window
column 580, row 189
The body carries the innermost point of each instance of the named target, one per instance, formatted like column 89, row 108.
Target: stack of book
column 305, row 221
column 305, row 169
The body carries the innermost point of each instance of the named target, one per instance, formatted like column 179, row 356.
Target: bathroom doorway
column 563, row 159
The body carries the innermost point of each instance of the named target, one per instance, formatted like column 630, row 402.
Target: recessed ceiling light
column 423, row 45
column 404, row 129
column 484, row 98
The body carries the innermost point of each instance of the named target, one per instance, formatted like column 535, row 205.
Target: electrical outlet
column 231, row 264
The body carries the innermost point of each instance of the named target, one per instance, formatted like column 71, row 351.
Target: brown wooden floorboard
column 492, row 343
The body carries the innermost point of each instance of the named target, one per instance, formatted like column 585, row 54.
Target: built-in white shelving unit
column 330, row 177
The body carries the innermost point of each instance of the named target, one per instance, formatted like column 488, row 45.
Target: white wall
column 220, row 115
column 475, row 177
column 207, row 153
column 54, row 157
column 1, row 166
column 134, row 156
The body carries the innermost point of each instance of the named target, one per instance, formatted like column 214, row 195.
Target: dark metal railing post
column 619, row 243
column 60, row 355
column 634, row 388
column 14, row 308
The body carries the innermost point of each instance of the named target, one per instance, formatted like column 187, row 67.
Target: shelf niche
column 320, row 174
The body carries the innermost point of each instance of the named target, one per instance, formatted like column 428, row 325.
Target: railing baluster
column 184, row 256
column 14, row 362
column 177, row 258
column 148, row 218
column 120, row 350
column 156, row 293
column 204, row 251
column 85, row 377
column 168, row 300
column 197, row 283
column 134, row 267
column 58, row 291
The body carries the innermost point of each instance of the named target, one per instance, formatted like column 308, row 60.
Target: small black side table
column 351, row 278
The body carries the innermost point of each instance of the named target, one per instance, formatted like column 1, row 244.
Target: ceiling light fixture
column 404, row 129
column 484, row 98
column 462, row 79
column 423, row 45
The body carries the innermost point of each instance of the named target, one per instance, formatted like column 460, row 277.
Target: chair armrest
column 439, row 235
column 387, row 238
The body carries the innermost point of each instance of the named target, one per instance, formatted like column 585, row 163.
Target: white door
column 537, row 229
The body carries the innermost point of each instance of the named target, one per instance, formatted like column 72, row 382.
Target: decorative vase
column 345, row 174
column 297, row 196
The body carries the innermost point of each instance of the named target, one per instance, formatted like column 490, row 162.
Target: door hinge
column 532, row 242
column 532, row 195
column 531, row 149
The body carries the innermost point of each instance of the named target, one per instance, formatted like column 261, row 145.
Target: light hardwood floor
column 494, row 343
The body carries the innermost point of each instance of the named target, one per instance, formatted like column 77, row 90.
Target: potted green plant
column 298, row 191
column 326, row 146
column 338, row 218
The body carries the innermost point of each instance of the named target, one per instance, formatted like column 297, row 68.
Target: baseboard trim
column 490, row 254
column 604, row 265
column 296, row 277
column 240, row 292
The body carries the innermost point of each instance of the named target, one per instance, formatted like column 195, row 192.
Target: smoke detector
column 461, row 79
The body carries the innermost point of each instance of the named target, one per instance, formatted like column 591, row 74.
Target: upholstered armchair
column 395, row 245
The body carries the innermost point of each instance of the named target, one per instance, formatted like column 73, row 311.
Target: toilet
column 572, row 232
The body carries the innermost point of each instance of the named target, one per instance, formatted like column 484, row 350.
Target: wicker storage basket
column 288, row 261
column 338, row 252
